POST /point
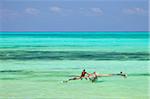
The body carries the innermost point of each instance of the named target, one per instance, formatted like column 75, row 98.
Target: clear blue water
column 37, row 62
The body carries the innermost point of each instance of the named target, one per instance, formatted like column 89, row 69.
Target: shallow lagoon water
column 34, row 66
column 30, row 80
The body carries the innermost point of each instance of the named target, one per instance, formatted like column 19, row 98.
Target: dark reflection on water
column 72, row 55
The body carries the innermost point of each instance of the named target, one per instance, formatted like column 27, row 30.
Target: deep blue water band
column 72, row 55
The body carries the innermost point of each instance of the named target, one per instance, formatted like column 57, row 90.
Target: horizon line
column 75, row 31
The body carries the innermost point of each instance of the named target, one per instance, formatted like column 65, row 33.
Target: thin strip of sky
column 71, row 15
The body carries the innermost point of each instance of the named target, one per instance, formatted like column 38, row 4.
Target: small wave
column 10, row 71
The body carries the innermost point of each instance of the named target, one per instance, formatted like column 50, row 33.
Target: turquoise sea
column 34, row 64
